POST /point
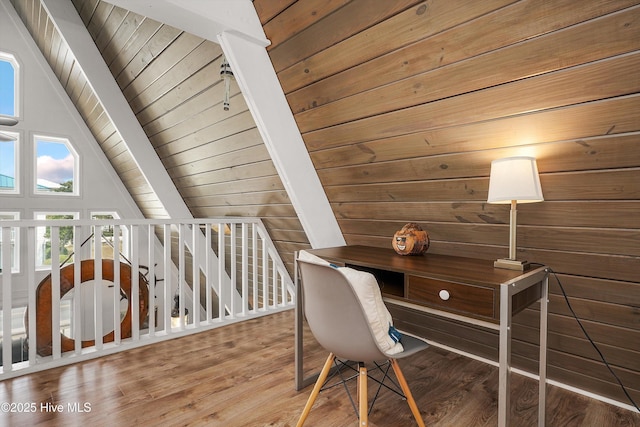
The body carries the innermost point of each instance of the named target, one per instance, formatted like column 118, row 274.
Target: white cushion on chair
column 368, row 291
column 366, row 288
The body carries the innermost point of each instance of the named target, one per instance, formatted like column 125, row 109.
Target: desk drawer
column 476, row 301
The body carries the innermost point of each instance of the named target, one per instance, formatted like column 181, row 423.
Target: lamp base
column 512, row 264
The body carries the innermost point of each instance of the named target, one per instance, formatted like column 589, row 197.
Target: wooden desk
column 464, row 289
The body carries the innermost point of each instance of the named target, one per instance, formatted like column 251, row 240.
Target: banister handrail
column 111, row 222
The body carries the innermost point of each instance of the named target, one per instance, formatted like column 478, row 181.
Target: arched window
column 56, row 166
column 9, row 85
column 8, row 116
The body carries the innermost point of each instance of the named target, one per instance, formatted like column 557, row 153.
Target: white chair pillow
column 366, row 287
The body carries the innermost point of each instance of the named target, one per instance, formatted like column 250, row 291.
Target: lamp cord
column 584, row 331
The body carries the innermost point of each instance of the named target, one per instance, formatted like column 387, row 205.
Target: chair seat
column 411, row 346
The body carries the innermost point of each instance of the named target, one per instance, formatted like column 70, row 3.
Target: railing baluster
column 195, row 245
column 283, row 291
column 245, row 269
column 98, row 285
column 221, row 272
column 55, row 291
column 78, row 290
column 151, row 276
column 31, row 286
column 167, row 279
column 208, row 273
column 274, row 278
column 181, row 276
column 7, row 361
column 117, row 332
column 254, row 265
column 135, row 283
column 265, row 275
column 234, row 271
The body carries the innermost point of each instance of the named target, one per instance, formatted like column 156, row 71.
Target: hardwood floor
column 241, row 375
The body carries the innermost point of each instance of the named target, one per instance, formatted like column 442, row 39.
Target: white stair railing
column 118, row 284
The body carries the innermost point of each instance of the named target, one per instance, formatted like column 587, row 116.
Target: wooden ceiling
column 402, row 106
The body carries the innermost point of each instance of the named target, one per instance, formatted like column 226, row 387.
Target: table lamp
column 514, row 180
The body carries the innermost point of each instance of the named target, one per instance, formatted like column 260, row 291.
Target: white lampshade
column 514, row 178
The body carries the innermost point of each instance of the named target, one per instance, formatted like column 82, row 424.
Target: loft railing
column 83, row 289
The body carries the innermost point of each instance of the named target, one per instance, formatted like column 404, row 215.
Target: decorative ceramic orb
column 411, row 240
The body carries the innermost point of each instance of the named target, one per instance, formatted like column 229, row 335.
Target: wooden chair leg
column 316, row 389
column 362, row 397
column 407, row 392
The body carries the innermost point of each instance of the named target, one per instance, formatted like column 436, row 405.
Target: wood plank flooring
column 241, row 375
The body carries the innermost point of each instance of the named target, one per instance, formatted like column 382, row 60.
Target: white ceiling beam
column 71, row 28
column 260, row 86
column 203, row 18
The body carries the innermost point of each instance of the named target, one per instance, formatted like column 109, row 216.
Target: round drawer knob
column 444, row 295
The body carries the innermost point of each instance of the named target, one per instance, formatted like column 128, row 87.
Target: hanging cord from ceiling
column 226, row 74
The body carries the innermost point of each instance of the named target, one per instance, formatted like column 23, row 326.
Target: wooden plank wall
column 171, row 80
column 404, row 104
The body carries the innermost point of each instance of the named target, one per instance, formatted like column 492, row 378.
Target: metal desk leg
column 542, row 392
column 299, row 367
column 504, row 356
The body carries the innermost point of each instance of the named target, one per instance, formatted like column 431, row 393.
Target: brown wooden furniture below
column 463, row 289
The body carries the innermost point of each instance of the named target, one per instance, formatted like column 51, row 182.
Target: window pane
column 44, row 243
column 55, row 166
column 15, row 241
column 8, row 162
column 7, row 87
column 109, row 240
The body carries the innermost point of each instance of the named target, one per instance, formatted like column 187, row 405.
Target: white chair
column 338, row 321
